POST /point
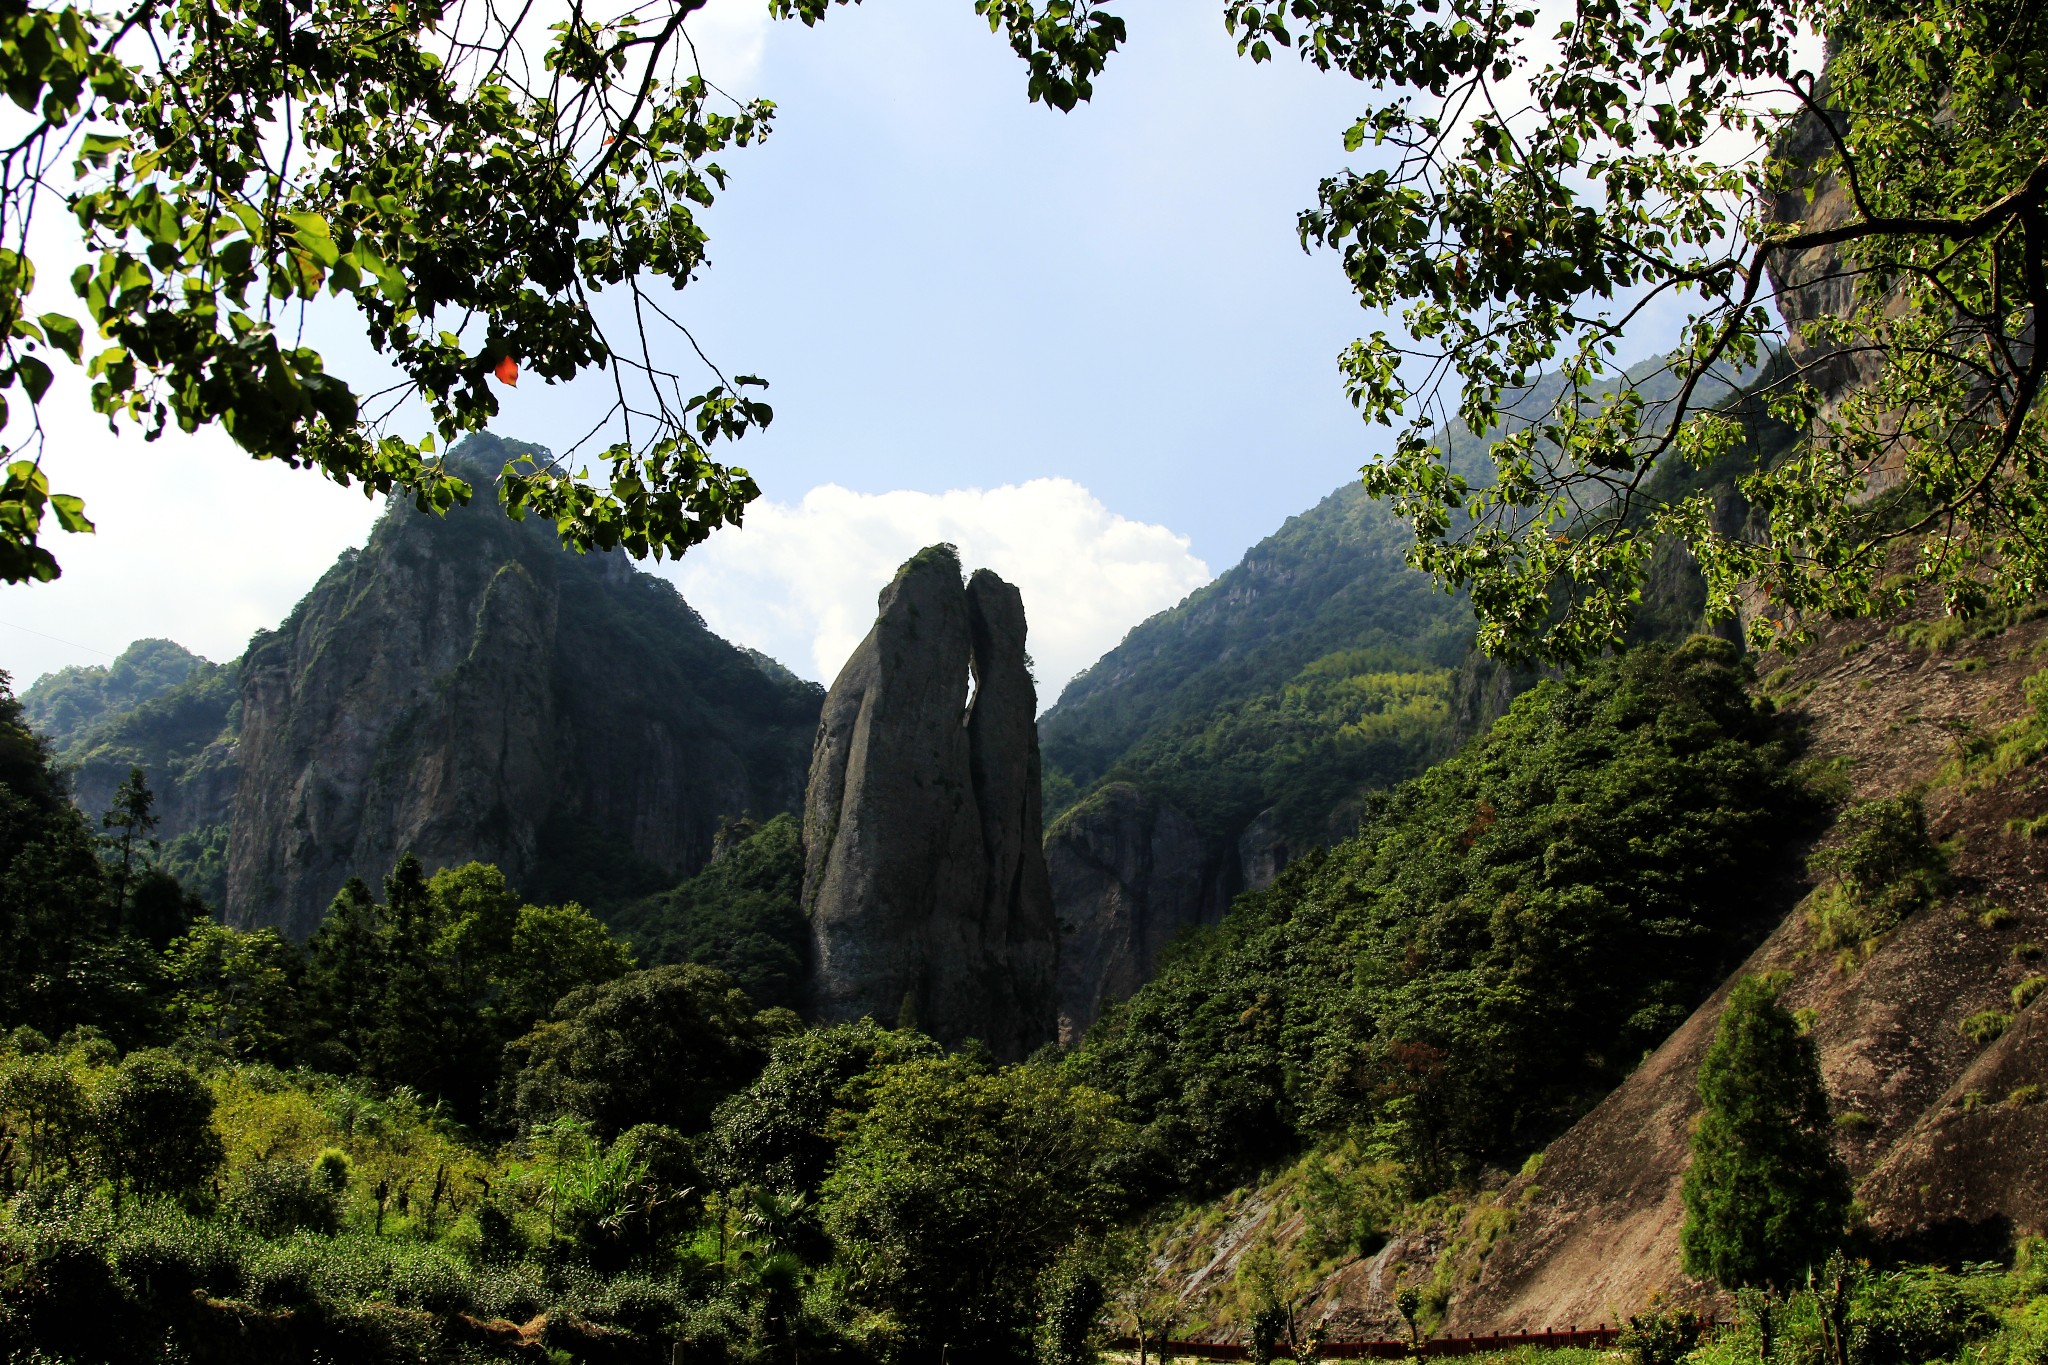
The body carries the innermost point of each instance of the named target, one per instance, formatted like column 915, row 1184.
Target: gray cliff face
column 464, row 689
column 924, row 882
column 1127, row 876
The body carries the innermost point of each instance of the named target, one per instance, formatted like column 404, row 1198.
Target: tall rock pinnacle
column 924, row 879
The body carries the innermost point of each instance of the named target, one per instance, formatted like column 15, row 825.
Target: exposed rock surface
column 1947, row 1163
column 465, row 689
column 924, row 881
column 1126, row 878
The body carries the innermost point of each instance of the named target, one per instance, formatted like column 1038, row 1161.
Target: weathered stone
column 464, row 689
column 924, row 882
column 1262, row 851
column 1127, row 876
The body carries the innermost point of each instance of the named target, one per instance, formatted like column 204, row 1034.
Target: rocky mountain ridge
column 461, row 688
column 464, row 689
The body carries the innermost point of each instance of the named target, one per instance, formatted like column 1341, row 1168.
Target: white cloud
column 799, row 581
column 197, row 543
column 729, row 36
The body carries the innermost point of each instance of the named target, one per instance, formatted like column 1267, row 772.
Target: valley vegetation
column 459, row 1126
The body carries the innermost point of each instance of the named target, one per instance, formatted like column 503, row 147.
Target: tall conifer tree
column 1766, row 1196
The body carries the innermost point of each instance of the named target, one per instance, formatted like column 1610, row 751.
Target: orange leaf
column 508, row 371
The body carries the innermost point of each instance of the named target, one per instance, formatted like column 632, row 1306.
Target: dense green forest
column 1498, row 945
column 453, row 1101
column 743, row 914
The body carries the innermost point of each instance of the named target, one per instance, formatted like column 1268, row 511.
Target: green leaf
column 71, row 513
column 97, row 149
column 35, row 377
column 64, row 333
column 309, row 230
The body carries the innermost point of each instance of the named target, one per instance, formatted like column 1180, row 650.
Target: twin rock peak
column 924, row 879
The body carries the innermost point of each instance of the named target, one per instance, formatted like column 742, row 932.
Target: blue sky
column 1087, row 347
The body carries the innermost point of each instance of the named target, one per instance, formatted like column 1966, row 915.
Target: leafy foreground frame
column 468, row 176
column 1881, row 226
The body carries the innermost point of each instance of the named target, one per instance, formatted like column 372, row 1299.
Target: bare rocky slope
column 1941, row 1126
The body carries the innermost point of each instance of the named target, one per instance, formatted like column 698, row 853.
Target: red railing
column 1598, row 1338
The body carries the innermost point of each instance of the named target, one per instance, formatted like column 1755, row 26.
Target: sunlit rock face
column 924, row 880
column 463, row 688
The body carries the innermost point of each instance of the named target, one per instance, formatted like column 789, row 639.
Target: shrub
column 428, row 1279
column 1931, row 636
column 332, row 1169
column 46, row 1109
column 1660, row 1337
column 337, row 1276
column 289, row 1276
column 1908, row 1318
column 164, row 1254
column 498, row 1239
column 1844, row 924
column 153, row 1119
column 650, row 1307
column 277, row 1198
column 1883, row 867
column 1985, row 1026
column 515, row 1292
column 1072, row 1299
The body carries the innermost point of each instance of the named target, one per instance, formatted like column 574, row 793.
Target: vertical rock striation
column 924, row 882
column 464, row 689
column 1127, row 877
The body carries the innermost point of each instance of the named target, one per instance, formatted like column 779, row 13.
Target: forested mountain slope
column 1320, row 666
column 1330, row 579
column 65, row 705
column 1913, row 952
column 163, row 709
column 1246, row 725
